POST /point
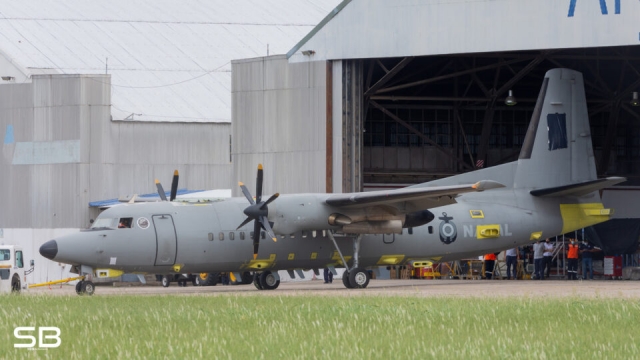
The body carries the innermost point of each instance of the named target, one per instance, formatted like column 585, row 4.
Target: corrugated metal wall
column 279, row 120
column 61, row 150
column 361, row 29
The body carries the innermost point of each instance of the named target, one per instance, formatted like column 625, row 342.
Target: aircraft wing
column 409, row 199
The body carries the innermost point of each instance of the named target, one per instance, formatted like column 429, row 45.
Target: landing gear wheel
column 166, row 281
column 247, row 277
column 345, row 280
column 359, row 278
column 88, row 288
column 256, row 281
column 79, row 287
column 268, row 281
column 15, row 284
column 209, row 279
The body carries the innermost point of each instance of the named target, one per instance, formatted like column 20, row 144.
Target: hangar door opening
column 415, row 119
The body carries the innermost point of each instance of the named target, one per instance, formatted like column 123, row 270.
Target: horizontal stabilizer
column 579, row 189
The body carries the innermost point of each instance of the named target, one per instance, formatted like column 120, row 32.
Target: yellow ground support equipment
column 54, row 282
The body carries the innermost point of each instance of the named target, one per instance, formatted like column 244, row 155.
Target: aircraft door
column 166, row 240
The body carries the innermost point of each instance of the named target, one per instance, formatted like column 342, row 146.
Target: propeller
column 174, row 188
column 258, row 212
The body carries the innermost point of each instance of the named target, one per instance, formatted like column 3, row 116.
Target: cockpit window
column 102, row 223
column 125, row 223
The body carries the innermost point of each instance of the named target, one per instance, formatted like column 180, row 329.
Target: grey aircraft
column 550, row 190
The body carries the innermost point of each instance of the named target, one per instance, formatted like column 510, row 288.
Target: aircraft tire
column 256, row 281
column 88, row 288
column 247, row 277
column 166, row 281
column 268, row 281
column 359, row 278
column 15, row 284
column 211, row 279
column 345, row 280
column 79, row 287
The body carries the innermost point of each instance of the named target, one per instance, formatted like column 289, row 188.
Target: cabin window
column 251, row 234
column 221, row 236
column 262, row 234
column 104, row 223
column 314, row 233
column 241, row 235
column 232, row 236
column 304, row 234
column 324, row 233
column 410, row 231
column 210, row 236
column 292, row 235
column 125, row 223
column 281, row 236
column 19, row 262
column 430, row 228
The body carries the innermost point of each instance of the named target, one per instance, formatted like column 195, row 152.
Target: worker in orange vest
column 489, row 262
column 572, row 260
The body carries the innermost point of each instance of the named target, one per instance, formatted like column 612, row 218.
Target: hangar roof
column 360, row 29
column 169, row 60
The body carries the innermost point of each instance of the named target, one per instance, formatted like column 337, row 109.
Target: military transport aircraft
column 550, row 190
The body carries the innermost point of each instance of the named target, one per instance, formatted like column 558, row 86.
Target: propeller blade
column 246, row 192
column 174, row 186
column 265, row 223
column 273, row 197
column 161, row 191
column 256, row 238
column 245, row 222
column 259, row 184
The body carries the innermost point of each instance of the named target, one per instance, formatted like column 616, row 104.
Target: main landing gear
column 266, row 280
column 354, row 277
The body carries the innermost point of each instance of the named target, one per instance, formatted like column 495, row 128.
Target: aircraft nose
column 49, row 249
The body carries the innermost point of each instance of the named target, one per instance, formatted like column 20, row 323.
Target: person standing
column 328, row 276
column 489, row 263
column 512, row 261
column 587, row 250
column 572, row 260
column 548, row 256
column 538, row 260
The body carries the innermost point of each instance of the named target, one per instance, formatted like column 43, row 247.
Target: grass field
column 306, row 327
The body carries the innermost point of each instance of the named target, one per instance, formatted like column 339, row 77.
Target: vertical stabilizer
column 557, row 149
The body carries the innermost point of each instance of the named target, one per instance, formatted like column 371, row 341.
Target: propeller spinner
column 174, row 188
column 258, row 212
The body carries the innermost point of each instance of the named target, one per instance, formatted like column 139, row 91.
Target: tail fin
column 557, row 149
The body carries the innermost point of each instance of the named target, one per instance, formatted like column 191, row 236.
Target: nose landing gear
column 85, row 287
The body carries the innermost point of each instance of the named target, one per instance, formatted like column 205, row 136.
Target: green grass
column 271, row 327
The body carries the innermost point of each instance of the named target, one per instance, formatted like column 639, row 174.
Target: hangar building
column 405, row 91
column 99, row 98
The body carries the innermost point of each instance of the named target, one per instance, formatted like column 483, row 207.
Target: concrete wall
column 279, row 120
column 61, row 150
